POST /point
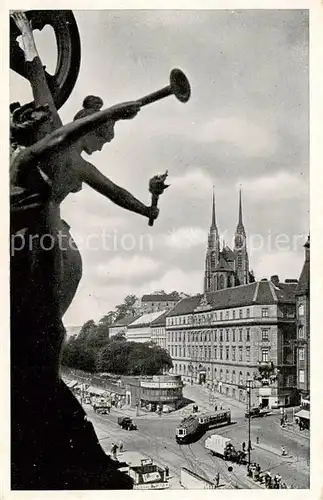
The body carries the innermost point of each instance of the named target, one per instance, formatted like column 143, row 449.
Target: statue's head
column 94, row 141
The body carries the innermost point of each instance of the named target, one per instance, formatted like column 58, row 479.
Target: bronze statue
column 53, row 446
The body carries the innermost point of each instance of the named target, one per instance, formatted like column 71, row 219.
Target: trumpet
column 179, row 86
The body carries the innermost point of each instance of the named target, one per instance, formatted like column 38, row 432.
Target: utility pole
column 249, row 420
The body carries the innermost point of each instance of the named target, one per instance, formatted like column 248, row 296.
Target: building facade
column 226, row 268
column 303, row 327
column 158, row 390
column 158, row 331
column 140, row 330
column 121, row 325
column 224, row 338
column 158, row 302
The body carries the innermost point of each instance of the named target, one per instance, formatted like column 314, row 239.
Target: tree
column 126, row 308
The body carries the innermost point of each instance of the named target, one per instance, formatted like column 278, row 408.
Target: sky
column 246, row 126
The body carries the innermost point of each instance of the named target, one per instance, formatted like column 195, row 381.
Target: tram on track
column 194, row 426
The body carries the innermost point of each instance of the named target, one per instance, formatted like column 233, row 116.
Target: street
column 155, row 438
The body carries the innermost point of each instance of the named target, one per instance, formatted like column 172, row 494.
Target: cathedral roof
column 260, row 292
column 223, row 265
column 228, row 254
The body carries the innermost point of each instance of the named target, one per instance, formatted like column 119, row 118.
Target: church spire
column 213, row 224
column 240, row 223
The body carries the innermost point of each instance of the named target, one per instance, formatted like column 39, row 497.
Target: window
column 301, row 354
column 233, row 314
column 264, row 312
column 248, row 335
column 221, row 335
column 240, row 334
column 247, row 353
column 240, row 353
column 301, row 310
column 221, row 316
column 168, row 336
column 248, row 313
column 302, row 376
column 215, row 335
column 233, row 377
column 201, row 351
column 214, row 352
column 233, row 334
column 264, row 334
column 221, row 352
column 240, row 313
column 265, row 355
column 233, row 353
column 227, row 376
column 227, row 334
column 221, row 374
column 227, row 315
column 180, row 351
column 210, row 353
column 214, row 316
column 172, row 351
column 205, row 352
column 227, row 353
column 188, row 352
column 301, row 332
column 176, row 351
column 184, row 337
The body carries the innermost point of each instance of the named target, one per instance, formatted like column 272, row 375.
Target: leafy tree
column 126, row 308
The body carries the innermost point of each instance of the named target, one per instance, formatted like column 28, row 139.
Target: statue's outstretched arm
column 93, row 177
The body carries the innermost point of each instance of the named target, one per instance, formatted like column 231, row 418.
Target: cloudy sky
column 246, row 125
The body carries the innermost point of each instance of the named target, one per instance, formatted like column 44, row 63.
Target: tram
column 194, row 426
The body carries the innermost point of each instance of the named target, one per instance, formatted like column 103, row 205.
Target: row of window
column 219, row 375
column 207, row 353
column 210, row 317
column 221, row 335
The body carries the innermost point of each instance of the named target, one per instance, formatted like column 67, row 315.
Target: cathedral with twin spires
column 226, row 268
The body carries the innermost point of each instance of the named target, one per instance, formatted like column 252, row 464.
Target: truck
column 127, row 423
column 217, row 445
column 222, row 447
column 190, row 480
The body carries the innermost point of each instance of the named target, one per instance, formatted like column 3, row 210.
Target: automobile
column 127, row 423
column 257, row 412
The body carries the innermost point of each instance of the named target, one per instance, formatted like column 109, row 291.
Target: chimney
column 275, row 279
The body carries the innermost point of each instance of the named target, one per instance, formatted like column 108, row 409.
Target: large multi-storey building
column 225, row 338
column 303, row 327
column 226, row 268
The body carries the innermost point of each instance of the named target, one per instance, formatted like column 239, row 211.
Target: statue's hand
column 21, row 21
column 126, row 110
column 153, row 213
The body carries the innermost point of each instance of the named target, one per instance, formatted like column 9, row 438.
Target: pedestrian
column 167, row 471
column 215, row 408
column 114, row 451
column 257, row 439
column 217, row 479
column 221, row 408
column 284, row 452
column 243, row 446
column 121, row 446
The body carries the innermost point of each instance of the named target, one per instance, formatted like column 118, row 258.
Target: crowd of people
column 265, row 478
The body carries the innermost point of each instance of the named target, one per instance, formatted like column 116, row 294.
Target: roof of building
column 126, row 320
column 156, row 297
column 260, row 292
column 304, row 279
column 146, row 319
column 223, row 265
column 228, row 254
column 160, row 321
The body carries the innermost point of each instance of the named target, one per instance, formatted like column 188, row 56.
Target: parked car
column 127, row 423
